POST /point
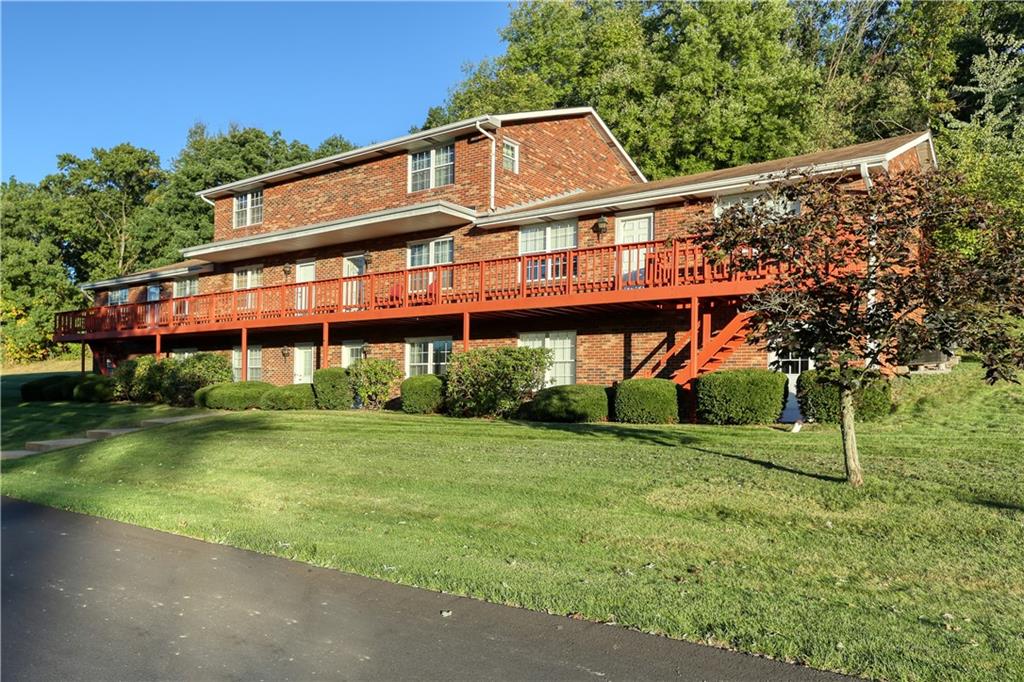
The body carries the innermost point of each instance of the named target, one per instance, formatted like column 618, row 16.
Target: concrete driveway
column 87, row 598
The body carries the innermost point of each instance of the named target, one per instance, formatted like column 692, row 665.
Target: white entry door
column 305, row 273
column 792, row 366
column 352, row 291
column 634, row 229
column 304, row 363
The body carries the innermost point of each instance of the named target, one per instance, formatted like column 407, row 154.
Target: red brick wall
column 556, row 156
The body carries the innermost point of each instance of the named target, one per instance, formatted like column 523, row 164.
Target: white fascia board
column 434, row 207
column 353, row 155
column 639, row 198
column 907, row 146
column 143, row 277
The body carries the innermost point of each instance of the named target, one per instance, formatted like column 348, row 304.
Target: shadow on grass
column 667, row 437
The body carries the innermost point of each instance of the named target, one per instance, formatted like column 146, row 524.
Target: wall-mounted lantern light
column 287, row 269
column 601, row 226
column 286, row 351
column 368, row 259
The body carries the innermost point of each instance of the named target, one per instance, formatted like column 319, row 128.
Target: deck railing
column 577, row 272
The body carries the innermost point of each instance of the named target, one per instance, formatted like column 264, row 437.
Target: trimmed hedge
column 54, row 388
column 94, row 388
column 290, row 397
column 241, row 395
column 421, row 394
column 332, row 389
column 572, row 403
column 180, row 379
column 493, row 382
column 819, row 399
column 647, row 401
column 741, row 396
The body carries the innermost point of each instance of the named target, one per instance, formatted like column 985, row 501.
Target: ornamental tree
column 869, row 277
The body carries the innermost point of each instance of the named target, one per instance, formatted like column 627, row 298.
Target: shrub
column 574, row 403
column 290, row 397
column 199, row 397
column 493, row 382
column 647, row 401
column 52, row 388
column 241, row 395
column 372, row 381
column 94, row 388
column 147, row 379
column 741, row 396
column 180, row 379
column 332, row 388
column 819, row 399
column 421, row 394
column 124, row 379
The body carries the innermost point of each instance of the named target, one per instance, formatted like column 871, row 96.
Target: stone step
column 160, row 421
column 107, row 433
column 47, row 445
column 16, row 454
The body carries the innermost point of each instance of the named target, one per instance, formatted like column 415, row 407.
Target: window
column 255, row 363
column 510, row 156
column 153, row 293
column 186, row 287
column 750, row 199
column 432, row 168
column 182, row 353
column 547, row 238
column 431, row 252
column 117, row 297
column 248, row 277
column 351, row 351
column 563, row 354
column 249, row 208
column 427, row 356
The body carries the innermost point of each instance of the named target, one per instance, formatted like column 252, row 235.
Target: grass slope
column 21, row 422
column 743, row 537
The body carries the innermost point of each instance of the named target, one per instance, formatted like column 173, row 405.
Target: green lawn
column 741, row 537
column 21, row 422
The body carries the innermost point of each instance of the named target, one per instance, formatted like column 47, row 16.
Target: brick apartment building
column 533, row 228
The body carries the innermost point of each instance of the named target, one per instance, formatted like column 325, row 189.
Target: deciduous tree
column 870, row 278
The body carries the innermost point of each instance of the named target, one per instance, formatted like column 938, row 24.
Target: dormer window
column 748, row 200
column 432, row 168
column 510, row 156
column 249, row 208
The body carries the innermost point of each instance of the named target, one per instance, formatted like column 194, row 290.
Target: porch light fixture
column 601, row 226
column 287, row 269
column 286, row 351
column 368, row 258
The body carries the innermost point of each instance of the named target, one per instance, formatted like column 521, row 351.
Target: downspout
column 865, row 176
column 494, row 149
column 210, row 202
column 872, row 293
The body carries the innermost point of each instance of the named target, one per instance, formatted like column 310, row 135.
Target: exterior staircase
column 716, row 349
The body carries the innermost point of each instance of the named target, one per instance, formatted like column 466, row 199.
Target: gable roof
column 423, row 138
column 867, row 154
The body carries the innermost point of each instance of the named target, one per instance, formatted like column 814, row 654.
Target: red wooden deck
column 651, row 271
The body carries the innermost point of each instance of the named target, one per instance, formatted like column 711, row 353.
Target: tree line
column 686, row 87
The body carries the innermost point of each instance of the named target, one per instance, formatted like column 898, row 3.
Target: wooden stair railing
column 717, row 349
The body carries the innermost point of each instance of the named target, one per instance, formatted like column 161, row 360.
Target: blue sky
column 77, row 76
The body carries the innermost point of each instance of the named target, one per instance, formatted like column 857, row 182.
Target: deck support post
column 324, row 347
column 245, row 354
column 465, row 331
column 158, row 335
column 82, row 348
column 694, row 334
